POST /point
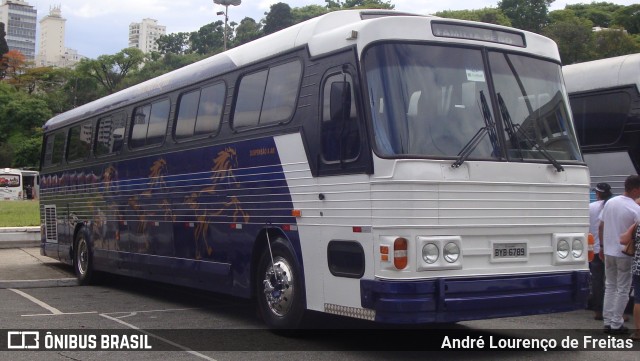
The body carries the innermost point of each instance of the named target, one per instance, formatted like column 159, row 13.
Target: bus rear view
column 10, row 184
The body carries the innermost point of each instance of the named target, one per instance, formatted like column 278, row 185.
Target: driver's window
column 340, row 130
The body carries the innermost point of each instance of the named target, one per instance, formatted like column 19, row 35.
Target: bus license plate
column 509, row 251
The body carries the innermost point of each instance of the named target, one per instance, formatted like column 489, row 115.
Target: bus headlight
column 430, row 253
column 451, row 252
column 569, row 248
column 577, row 248
column 435, row 253
column 562, row 248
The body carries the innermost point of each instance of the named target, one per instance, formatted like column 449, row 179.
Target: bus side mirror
column 340, row 98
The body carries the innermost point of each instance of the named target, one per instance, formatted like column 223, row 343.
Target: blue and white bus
column 379, row 165
column 605, row 100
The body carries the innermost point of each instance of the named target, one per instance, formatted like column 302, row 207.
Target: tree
column 629, row 18
column 351, row 4
column 175, row 43
column 279, row 17
column 528, row 15
column 160, row 66
column 486, row 15
column 307, row 12
column 247, row 31
column 27, row 152
column 208, row 39
column 614, row 42
column 600, row 13
column 12, row 64
column 573, row 36
column 4, row 48
column 110, row 70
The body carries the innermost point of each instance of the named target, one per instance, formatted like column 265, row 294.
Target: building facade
column 52, row 50
column 20, row 21
column 144, row 35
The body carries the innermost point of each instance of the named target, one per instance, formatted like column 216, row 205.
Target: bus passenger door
column 343, row 167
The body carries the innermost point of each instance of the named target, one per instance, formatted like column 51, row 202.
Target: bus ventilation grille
column 51, row 223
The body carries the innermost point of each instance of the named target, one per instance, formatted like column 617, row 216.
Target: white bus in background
column 18, row 184
column 605, row 101
column 10, row 184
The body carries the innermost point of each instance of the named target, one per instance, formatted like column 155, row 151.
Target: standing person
column 618, row 214
column 633, row 235
column 596, row 266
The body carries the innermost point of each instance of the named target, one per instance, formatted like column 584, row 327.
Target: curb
column 19, row 237
column 57, row 282
column 4, row 244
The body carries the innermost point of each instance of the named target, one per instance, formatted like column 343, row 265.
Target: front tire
column 279, row 287
column 83, row 257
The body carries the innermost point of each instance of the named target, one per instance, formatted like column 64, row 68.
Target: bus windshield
column 437, row 101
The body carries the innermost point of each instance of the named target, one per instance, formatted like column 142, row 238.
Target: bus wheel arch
column 82, row 255
column 279, row 286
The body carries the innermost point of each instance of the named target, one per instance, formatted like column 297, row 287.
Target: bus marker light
column 289, row 227
column 296, row 213
column 384, row 253
column 591, row 242
column 400, row 246
column 357, row 229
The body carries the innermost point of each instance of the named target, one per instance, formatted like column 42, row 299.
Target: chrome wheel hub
column 278, row 287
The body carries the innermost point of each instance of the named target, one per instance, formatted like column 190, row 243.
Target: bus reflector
column 384, row 253
column 591, row 242
column 296, row 213
column 400, row 259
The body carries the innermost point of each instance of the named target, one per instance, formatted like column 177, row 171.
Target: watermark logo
column 23, row 340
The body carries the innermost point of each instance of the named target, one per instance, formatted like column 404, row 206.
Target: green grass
column 19, row 213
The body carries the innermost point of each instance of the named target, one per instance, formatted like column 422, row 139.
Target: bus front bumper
column 462, row 299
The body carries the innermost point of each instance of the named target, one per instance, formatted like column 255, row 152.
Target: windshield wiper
column 489, row 128
column 515, row 132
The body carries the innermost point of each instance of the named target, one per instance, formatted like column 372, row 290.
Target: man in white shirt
column 618, row 214
column 596, row 266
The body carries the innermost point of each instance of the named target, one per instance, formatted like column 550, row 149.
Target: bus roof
column 322, row 35
column 603, row 74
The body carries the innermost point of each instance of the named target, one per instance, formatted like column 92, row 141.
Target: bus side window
column 200, row 111
column 149, row 124
column 79, row 146
column 339, row 130
column 267, row 96
column 54, row 149
column 110, row 133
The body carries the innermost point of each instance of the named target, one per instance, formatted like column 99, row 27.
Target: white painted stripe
column 60, row 314
column 186, row 349
column 42, row 304
column 149, row 311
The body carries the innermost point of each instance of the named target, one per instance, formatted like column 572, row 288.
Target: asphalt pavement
column 22, row 266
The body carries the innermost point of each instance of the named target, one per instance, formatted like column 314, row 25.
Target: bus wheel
column 279, row 287
column 82, row 258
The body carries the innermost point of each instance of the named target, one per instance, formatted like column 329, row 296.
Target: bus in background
column 605, row 101
column 373, row 164
column 30, row 183
column 11, row 184
column 18, row 184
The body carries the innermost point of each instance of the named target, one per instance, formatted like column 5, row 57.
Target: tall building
column 144, row 35
column 51, row 50
column 19, row 20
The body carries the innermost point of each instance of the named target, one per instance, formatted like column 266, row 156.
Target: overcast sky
column 96, row 27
